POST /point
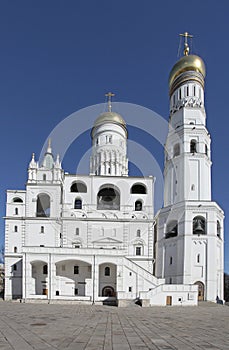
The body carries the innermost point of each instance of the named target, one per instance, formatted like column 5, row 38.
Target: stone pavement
column 78, row 327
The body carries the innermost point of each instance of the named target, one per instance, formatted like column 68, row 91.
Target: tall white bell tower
column 190, row 226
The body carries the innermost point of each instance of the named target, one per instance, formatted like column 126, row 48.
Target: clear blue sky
column 57, row 57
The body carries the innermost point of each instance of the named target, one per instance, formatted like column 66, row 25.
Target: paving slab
column 91, row 327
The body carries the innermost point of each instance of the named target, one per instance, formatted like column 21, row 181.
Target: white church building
column 95, row 238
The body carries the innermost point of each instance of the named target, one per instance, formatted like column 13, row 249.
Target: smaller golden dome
column 109, row 117
column 187, row 63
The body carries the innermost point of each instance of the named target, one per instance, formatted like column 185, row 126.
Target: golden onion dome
column 187, row 63
column 110, row 117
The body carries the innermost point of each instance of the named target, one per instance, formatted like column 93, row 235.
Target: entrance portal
column 168, row 300
column 107, row 279
column 200, row 290
column 108, row 292
column 45, row 291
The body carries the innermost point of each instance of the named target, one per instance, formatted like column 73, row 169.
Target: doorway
column 168, row 300
column 200, row 290
column 108, row 291
column 45, row 291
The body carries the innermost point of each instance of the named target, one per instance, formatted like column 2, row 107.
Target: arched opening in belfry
column 108, row 198
column 43, row 205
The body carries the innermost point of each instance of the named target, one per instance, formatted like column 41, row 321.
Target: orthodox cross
column 109, row 96
column 186, row 35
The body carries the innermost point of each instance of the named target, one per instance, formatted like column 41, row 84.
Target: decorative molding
column 191, row 101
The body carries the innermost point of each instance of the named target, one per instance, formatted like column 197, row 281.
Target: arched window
column 107, row 271
column 179, row 93
column 193, row 148
column 194, row 90
column 17, row 200
column 79, row 187
column 199, row 225
column 43, row 205
column 42, row 229
column 218, row 229
column 108, row 198
column 176, row 150
column 76, row 245
column 45, row 269
column 138, row 206
column 78, row 203
column 138, row 233
column 44, row 177
column 76, row 270
column 198, row 258
column 187, row 90
column 138, row 250
column 108, row 139
column 15, row 229
column 16, row 211
column 171, row 229
column 77, row 231
column 206, row 150
column 138, row 189
column 170, row 260
column 15, row 249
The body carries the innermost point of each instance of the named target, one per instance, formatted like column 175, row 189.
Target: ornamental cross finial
column 49, row 142
column 109, row 95
column 186, row 35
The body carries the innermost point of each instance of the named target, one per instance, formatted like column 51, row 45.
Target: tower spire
column 109, row 96
column 186, row 35
column 49, row 148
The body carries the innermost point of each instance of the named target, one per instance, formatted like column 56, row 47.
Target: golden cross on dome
column 186, row 35
column 109, row 96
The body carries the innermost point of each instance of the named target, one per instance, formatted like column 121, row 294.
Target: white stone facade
column 96, row 238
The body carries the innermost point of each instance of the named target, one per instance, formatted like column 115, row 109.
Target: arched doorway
column 108, row 291
column 200, row 290
column 39, row 277
column 107, row 279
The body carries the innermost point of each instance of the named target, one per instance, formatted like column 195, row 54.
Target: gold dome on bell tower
column 187, row 63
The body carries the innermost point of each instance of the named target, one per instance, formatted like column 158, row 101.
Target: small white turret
column 32, row 170
column 33, row 163
column 58, row 162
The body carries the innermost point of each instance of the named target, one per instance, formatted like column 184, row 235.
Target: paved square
column 78, row 327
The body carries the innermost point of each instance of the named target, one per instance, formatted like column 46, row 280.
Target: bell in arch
column 199, row 226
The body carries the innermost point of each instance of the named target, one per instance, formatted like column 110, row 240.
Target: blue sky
column 57, row 57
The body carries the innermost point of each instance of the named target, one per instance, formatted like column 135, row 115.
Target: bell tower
column 190, row 225
column 187, row 149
